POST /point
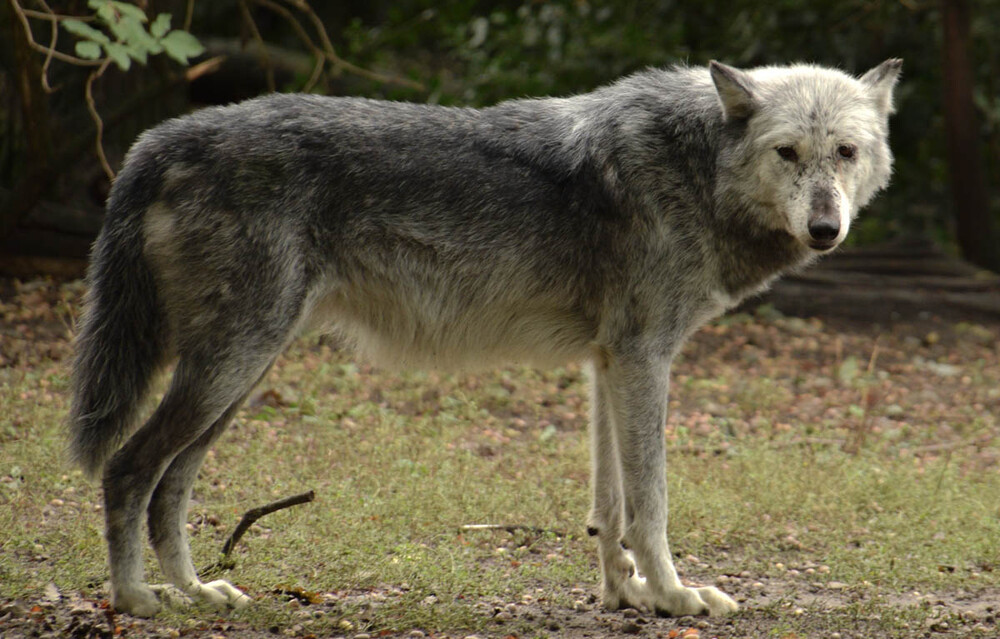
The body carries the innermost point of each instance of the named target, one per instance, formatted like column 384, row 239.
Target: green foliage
column 131, row 40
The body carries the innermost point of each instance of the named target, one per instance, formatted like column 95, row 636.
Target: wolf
column 603, row 228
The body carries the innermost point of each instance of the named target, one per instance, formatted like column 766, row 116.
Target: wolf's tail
column 121, row 339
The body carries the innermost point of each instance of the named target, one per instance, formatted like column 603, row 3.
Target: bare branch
column 254, row 514
column 58, row 55
column 339, row 63
column 188, row 15
column 304, row 37
column 265, row 59
column 96, row 117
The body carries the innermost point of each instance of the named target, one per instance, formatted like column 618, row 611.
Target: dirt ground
column 33, row 326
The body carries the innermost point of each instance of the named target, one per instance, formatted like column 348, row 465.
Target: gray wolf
column 604, row 227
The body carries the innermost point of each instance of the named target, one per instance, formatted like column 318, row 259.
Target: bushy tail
column 120, row 341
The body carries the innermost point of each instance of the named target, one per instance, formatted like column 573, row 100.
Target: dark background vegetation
column 946, row 136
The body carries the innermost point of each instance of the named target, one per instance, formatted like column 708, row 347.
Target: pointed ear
column 735, row 89
column 881, row 81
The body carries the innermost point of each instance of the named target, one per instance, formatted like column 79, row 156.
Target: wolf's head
column 814, row 145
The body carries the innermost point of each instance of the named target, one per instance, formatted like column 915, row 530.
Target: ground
column 838, row 479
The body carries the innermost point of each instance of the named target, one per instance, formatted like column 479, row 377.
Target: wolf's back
column 120, row 339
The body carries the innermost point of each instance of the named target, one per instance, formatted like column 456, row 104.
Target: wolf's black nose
column 824, row 229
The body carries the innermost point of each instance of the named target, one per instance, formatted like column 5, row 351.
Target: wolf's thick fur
column 604, row 227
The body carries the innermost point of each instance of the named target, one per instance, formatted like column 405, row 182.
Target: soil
column 34, row 321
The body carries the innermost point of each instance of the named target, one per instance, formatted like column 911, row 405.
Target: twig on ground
column 513, row 528
column 978, row 440
column 720, row 450
column 252, row 515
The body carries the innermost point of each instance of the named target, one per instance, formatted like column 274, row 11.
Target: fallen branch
column 251, row 516
column 513, row 528
column 721, row 450
column 977, row 440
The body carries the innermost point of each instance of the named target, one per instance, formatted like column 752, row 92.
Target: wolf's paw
column 145, row 601
column 635, row 592
column 220, row 594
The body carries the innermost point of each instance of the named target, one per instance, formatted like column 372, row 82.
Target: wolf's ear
column 881, row 81
column 735, row 89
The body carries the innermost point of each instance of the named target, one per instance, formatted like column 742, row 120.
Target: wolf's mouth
column 822, row 246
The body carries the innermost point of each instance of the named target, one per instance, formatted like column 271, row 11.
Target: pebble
column 503, row 616
column 631, row 628
column 836, row 585
column 417, row 634
column 702, row 625
column 362, row 635
column 630, row 613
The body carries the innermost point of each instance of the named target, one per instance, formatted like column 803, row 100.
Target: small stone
column 579, row 606
column 56, row 502
column 362, row 635
column 836, row 585
column 798, row 612
column 631, row 628
column 630, row 613
column 938, row 625
column 511, row 608
column 835, row 635
column 702, row 625
column 823, row 569
column 417, row 634
column 503, row 616
column 14, row 609
column 757, row 585
column 345, row 625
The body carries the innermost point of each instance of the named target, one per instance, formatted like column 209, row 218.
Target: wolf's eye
column 787, row 153
column 847, row 151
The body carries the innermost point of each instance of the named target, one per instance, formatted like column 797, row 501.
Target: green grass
column 400, row 462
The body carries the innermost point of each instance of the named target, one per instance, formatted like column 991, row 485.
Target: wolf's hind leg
column 167, row 514
column 132, row 474
column 207, row 387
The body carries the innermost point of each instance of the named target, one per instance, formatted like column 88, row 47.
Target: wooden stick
column 513, row 528
column 252, row 515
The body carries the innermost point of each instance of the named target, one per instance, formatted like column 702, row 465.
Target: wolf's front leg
column 635, row 390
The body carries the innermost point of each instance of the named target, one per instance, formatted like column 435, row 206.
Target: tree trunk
column 968, row 187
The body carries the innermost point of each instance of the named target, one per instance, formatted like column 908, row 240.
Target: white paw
column 145, row 601
column 635, row 592
column 719, row 603
column 220, row 594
